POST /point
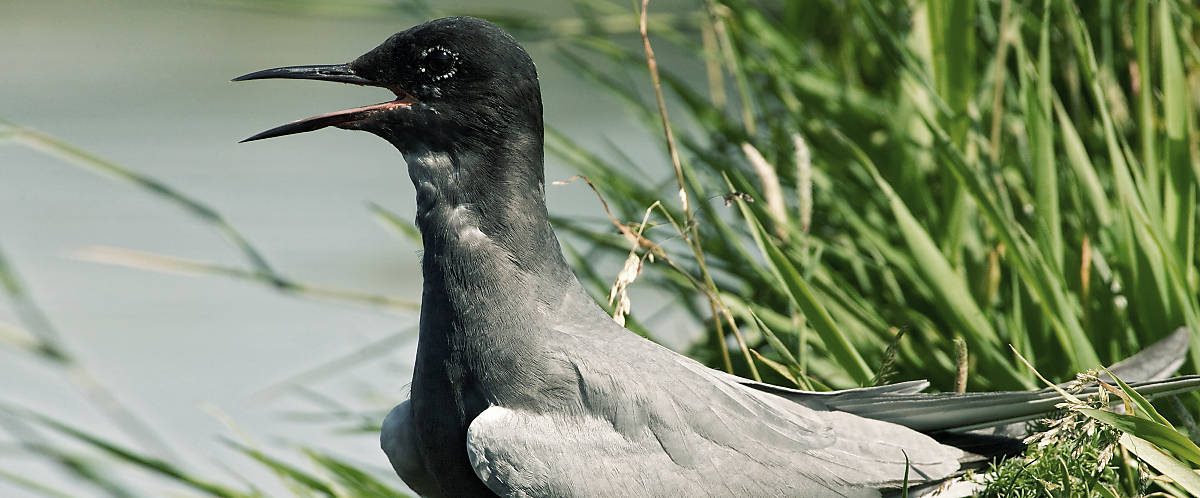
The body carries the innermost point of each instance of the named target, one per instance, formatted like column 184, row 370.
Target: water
column 146, row 85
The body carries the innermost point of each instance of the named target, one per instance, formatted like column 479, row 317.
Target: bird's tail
column 905, row 404
column 951, row 412
column 967, row 412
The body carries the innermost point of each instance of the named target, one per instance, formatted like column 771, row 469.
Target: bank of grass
column 865, row 184
column 999, row 172
column 983, row 170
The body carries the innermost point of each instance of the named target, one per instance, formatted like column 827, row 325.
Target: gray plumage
column 623, row 413
column 523, row 386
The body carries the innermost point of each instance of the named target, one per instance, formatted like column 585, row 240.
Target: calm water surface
column 146, row 85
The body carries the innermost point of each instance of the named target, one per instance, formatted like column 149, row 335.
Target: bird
column 523, row 386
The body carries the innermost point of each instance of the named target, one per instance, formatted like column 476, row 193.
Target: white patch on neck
column 435, row 160
column 465, row 223
column 435, row 170
column 473, row 236
column 432, row 166
column 460, row 216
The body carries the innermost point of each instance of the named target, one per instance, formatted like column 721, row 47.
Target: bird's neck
column 492, row 265
column 488, row 208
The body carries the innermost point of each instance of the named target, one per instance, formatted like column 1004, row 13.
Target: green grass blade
column 78, row 156
column 937, row 272
column 1081, row 163
column 355, row 481
column 132, row 457
column 1156, row 433
column 1146, row 119
column 1171, row 467
column 1041, row 132
column 1041, row 279
column 791, row 369
column 393, row 222
column 798, row 291
column 1141, row 404
column 288, row 472
column 31, row 485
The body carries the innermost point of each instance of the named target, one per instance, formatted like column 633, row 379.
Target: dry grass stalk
column 633, row 267
column 772, row 191
column 804, row 183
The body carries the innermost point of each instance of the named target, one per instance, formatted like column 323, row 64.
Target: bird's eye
column 438, row 62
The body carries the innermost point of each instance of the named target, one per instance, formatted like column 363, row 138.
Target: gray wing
column 1156, row 361
column 656, row 423
column 398, row 440
column 904, row 403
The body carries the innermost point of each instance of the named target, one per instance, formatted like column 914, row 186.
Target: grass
column 857, row 191
column 1039, row 242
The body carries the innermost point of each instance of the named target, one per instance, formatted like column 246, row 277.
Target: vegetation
column 863, row 191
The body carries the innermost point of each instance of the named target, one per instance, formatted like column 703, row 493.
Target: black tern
column 525, row 387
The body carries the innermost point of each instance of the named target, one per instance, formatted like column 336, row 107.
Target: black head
column 459, row 82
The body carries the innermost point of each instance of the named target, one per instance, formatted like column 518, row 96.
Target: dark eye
column 439, row 62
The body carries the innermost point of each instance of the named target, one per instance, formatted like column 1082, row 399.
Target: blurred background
column 880, row 191
column 146, row 85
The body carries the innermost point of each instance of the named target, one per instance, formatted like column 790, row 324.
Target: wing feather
column 687, row 430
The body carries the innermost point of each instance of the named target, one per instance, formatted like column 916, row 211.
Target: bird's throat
column 493, row 271
column 490, row 254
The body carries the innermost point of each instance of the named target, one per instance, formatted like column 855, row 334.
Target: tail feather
column 1156, row 361
column 971, row 411
column 905, row 404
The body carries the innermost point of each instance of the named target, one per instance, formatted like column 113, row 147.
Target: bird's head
column 460, row 83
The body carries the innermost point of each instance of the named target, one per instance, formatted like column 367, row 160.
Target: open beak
column 341, row 73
